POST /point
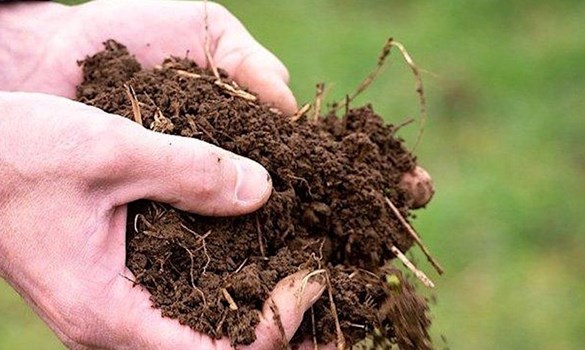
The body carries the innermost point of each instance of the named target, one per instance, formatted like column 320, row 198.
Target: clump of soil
column 327, row 210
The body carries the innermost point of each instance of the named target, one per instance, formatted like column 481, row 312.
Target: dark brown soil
column 327, row 209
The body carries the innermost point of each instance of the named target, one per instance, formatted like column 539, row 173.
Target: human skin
column 68, row 170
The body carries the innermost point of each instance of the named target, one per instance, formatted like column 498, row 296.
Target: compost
column 332, row 177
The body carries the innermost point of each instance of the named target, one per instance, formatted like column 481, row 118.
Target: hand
column 68, row 170
column 41, row 43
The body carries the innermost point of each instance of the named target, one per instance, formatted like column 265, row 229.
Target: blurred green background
column 504, row 143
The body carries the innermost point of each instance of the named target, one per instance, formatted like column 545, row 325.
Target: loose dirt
column 327, row 210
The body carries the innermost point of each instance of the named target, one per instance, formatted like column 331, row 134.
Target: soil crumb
column 327, row 210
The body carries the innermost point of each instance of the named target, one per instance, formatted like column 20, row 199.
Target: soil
column 327, row 210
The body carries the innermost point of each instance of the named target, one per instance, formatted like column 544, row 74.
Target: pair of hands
column 68, row 170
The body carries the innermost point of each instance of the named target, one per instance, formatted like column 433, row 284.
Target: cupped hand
column 68, row 170
column 48, row 40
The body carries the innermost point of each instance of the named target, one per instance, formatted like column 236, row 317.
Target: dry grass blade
column 184, row 73
column 372, row 76
column 419, row 88
column 301, row 112
column 341, row 345
column 369, row 79
column 415, row 236
column 418, row 273
column 229, row 299
column 260, row 240
column 207, row 45
column 134, row 101
column 236, row 92
column 318, row 100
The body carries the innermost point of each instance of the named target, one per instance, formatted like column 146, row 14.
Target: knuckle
column 102, row 148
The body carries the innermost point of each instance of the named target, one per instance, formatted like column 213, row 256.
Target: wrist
column 26, row 28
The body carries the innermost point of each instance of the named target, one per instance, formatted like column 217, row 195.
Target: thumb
column 187, row 173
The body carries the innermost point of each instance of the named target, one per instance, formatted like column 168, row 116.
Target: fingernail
column 253, row 181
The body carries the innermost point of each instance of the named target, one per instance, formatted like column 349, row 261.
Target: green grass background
column 504, row 143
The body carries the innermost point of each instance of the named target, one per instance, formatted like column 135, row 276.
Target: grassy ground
column 504, row 143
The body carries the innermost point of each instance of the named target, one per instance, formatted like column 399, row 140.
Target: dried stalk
column 341, row 345
column 135, row 106
column 415, row 236
column 318, row 100
column 207, row 44
column 229, row 299
column 373, row 75
column 418, row 273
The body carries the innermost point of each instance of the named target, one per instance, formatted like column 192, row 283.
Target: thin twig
column 128, row 279
column 260, row 240
column 415, row 236
column 418, row 273
column 241, row 266
column 134, row 101
column 360, row 326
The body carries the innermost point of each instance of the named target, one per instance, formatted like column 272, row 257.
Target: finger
column 310, row 345
column 189, row 174
column 248, row 62
column 258, row 70
column 418, row 186
column 177, row 27
column 283, row 311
